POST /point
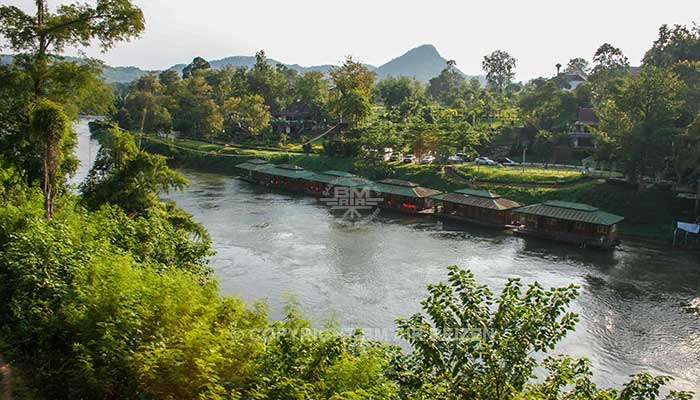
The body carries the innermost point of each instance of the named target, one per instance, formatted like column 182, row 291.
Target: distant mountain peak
column 423, row 63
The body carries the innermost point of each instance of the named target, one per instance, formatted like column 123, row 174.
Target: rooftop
column 403, row 188
column 571, row 212
column 477, row 198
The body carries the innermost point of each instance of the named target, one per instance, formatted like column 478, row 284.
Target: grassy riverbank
column 648, row 214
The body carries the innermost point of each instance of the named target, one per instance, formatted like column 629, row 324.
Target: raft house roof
column 477, row 198
column 571, row 212
column 255, row 164
column 287, row 171
column 403, row 188
column 340, row 178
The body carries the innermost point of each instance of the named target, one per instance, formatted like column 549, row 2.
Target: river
column 638, row 305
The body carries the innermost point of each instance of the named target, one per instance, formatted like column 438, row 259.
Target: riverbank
column 648, row 214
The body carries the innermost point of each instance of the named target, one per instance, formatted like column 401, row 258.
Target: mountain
column 424, row 62
column 109, row 73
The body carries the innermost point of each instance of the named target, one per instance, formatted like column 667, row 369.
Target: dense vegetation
column 107, row 294
column 648, row 115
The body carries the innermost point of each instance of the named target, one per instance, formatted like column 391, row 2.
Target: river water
column 638, row 306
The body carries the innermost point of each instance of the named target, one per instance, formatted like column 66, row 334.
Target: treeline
column 648, row 114
column 107, row 294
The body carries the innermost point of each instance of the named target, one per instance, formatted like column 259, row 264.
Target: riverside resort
column 359, row 201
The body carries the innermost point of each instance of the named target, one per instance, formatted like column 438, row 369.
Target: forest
column 107, row 292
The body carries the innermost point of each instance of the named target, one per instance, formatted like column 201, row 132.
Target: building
column 582, row 136
column 250, row 170
column 574, row 79
column 296, row 118
column 321, row 184
column 576, row 223
column 285, row 176
column 476, row 206
column 404, row 196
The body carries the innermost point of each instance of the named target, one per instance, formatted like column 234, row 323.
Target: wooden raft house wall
column 403, row 196
column 476, row 206
column 576, row 223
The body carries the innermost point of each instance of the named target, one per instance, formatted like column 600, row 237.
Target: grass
column 648, row 214
column 519, row 175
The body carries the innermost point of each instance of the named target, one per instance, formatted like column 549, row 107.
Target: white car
column 427, row 159
column 485, row 161
column 409, row 158
column 455, row 160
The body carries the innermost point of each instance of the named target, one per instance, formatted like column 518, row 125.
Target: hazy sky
column 539, row 33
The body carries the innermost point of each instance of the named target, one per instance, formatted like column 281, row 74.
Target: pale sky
column 539, row 33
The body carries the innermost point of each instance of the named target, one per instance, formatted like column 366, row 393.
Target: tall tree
column 352, row 91
column 499, row 67
column 39, row 40
column 577, row 65
column 51, row 129
column 680, row 43
column 445, row 87
column 609, row 64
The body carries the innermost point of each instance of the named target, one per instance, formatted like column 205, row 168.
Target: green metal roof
column 253, row 166
column 481, row 201
column 347, row 181
column 257, row 161
column 571, row 212
column 478, row 193
column 339, row 173
column 398, row 182
column 403, row 188
column 287, row 171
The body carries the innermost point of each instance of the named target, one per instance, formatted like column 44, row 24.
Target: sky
column 538, row 33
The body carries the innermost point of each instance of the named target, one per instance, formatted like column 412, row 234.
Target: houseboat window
column 580, row 225
column 532, row 218
column 551, row 221
column 602, row 229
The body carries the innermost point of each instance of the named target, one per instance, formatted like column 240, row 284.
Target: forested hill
column 423, row 62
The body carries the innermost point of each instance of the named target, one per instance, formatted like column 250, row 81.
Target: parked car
column 427, row 159
column 395, row 157
column 506, row 162
column 464, row 157
column 409, row 158
column 485, row 161
column 455, row 160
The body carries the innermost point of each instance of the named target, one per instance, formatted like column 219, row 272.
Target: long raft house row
column 574, row 223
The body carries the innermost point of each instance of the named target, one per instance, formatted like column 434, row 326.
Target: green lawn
column 529, row 175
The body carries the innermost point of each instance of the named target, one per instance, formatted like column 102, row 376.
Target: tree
column 674, row 45
column 352, row 91
column 248, row 113
column 445, row 87
column 51, row 132
column 263, row 79
column 395, row 91
column 651, row 105
column 610, row 64
column 197, row 113
column 577, row 65
column 36, row 37
column 197, row 64
column 499, row 67
column 128, row 177
column 470, row 344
